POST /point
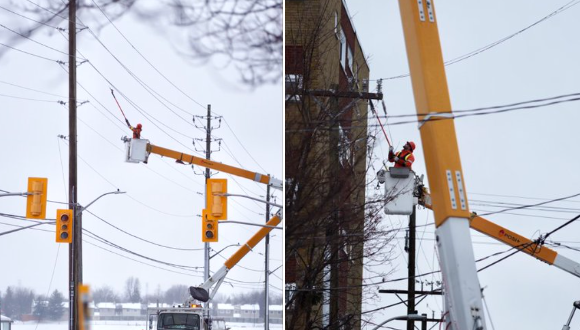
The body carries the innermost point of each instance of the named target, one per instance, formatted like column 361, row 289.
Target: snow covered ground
column 124, row 325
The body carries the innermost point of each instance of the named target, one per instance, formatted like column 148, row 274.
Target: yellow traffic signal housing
column 209, row 228
column 36, row 200
column 64, row 226
column 83, row 300
column 216, row 201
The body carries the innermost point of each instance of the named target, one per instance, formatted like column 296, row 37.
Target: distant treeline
column 18, row 301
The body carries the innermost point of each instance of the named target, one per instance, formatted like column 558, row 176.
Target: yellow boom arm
column 138, row 150
column 201, row 293
column 517, row 241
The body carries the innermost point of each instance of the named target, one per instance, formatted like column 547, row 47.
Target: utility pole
column 332, row 232
column 207, row 175
column 267, row 266
column 411, row 278
column 75, row 249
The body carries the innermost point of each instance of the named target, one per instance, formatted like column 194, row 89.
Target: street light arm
column 22, row 228
column 82, row 208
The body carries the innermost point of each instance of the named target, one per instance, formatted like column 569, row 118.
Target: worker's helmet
column 139, row 126
column 412, row 145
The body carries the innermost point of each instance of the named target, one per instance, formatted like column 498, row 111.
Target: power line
column 31, row 54
column 452, row 116
column 513, row 196
column 141, row 262
column 31, row 89
column 140, row 238
column 148, row 62
column 531, row 205
column 30, row 99
column 54, row 13
column 107, row 242
column 31, row 19
column 39, row 43
column 498, row 42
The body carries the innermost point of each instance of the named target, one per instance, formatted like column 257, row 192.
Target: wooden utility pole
column 75, row 248
column 267, row 266
column 411, row 278
column 332, row 229
column 207, row 176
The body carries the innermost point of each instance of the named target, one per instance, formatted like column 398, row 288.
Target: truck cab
column 177, row 319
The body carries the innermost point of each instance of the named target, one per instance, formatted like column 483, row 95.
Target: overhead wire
column 28, row 18
column 30, row 99
column 531, row 205
column 128, row 195
column 39, row 43
column 465, row 113
column 107, row 242
column 155, row 68
column 499, row 41
column 89, row 165
column 134, row 104
column 35, row 55
column 141, row 262
column 34, row 90
column 104, row 241
column 55, row 13
column 140, row 238
column 146, row 60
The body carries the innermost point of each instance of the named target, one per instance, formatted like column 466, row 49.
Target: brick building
column 326, row 149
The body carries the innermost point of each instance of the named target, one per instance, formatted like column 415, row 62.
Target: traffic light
column 36, row 198
column 209, row 228
column 83, row 300
column 64, row 226
column 216, row 204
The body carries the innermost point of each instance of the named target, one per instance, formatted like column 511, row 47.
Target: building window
column 342, row 55
column 344, row 154
column 289, row 291
column 349, row 58
column 294, row 87
column 365, row 85
column 336, row 25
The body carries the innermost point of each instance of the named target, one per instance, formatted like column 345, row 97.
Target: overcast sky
column 164, row 200
column 529, row 154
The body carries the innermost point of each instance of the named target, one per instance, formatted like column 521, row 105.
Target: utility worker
column 403, row 158
column 136, row 130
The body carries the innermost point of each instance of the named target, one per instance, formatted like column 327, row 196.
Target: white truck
column 182, row 318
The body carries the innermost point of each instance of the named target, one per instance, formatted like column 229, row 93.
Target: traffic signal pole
column 463, row 293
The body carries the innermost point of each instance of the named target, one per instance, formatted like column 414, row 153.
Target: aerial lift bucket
column 136, row 150
column 399, row 187
column 198, row 293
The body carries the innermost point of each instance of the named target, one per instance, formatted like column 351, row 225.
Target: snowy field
column 124, row 325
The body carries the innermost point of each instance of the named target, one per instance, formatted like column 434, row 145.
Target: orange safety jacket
column 136, row 132
column 406, row 159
